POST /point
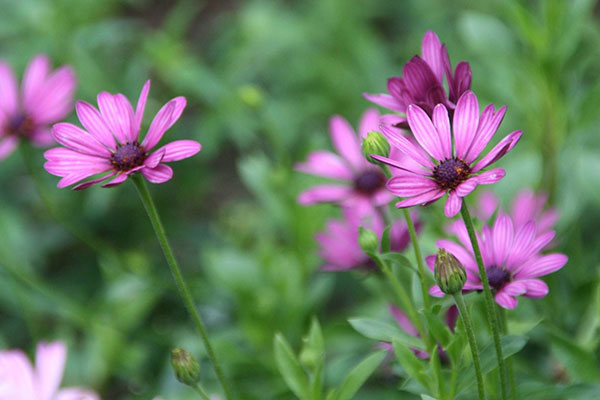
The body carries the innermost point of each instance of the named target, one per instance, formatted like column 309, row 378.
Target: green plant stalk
column 418, row 256
column 509, row 363
column 152, row 212
column 202, row 393
column 466, row 319
column 487, row 295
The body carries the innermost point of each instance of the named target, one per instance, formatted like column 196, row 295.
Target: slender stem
column 487, row 295
column 152, row 212
column 418, row 256
column 466, row 319
column 509, row 361
column 202, row 393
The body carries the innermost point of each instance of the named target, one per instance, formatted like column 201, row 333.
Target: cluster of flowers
column 437, row 137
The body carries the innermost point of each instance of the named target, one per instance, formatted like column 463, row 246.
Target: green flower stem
column 489, row 300
column 509, row 363
column 418, row 256
column 466, row 319
column 202, row 393
column 142, row 189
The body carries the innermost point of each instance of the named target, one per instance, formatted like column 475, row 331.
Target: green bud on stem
column 187, row 369
column 375, row 143
column 450, row 274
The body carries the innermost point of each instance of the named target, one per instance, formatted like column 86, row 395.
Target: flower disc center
column 128, row 156
column 450, row 173
column 369, row 182
column 20, row 125
column 497, row 277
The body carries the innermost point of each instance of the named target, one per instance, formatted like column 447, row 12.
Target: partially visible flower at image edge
column 45, row 97
column 20, row 380
column 110, row 142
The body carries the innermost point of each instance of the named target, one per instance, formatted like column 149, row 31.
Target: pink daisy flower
column 338, row 244
column 110, row 143
column 362, row 183
column 422, row 81
column 44, row 98
column 19, row 380
column 444, row 159
column 512, row 258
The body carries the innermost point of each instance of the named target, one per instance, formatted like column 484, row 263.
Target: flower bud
column 187, row 369
column 449, row 272
column 375, row 143
column 368, row 240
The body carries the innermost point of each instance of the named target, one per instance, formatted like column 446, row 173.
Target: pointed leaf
column 359, row 374
column 289, row 367
column 378, row 330
column 410, row 362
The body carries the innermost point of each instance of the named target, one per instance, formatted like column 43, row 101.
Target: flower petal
column 8, row 87
column 406, row 147
column 432, row 54
column 520, row 249
column 491, row 176
column 503, row 147
column 442, row 127
column 8, row 145
column 50, row 361
column 465, row 122
column 542, row 266
column 18, row 380
column 325, row 164
column 369, row 121
column 139, row 109
column 79, row 140
column 180, row 149
column 385, row 101
column 425, row 198
column 424, row 131
column 536, row 288
column 164, row 119
column 453, row 204
column 76, row 394
column 34, row 77
column 502, row 238
column 410, row 185
column 324, row 194
column 160, row 174
column 345, row 142
column 54, row 99
column 118, row 115
column 488, row 125
column 505, row 300
column 93, row 122
column 92, row 182
column 466, row 187
column 122, row 177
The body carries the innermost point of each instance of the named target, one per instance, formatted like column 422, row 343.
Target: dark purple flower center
column 497, row 277
column 450, row 173
column 128, row 156
column 20, row 125
column 369, row 181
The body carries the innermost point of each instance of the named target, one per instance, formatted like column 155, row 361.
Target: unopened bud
column 375, row 143
column 368, row 240
column 449, row 272
column 187, row 369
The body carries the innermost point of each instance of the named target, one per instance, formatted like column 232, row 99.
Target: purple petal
column 34, row 78
column 346, row 142
column 8, row 145
column 385, row 101
column 79, row 140
column 403, row 321
column 435, row 291
column 430, row 261
column 424, row 131
column 368, row 122
column 421, row 199
column 410, row 185
column 180, row 149
column 122, row 177
column 488, row 125
column 393, row 120
column 442, row 126
column 466, row 187
column 324, row 194
column 93, row 122
column 63, row 162
column 50, row 361
column 505, row 300
column 164, row 119
column 542, row 266
column 503, row 233
column 160, row 174
column 453, row 204
column 118, row 115
column 139, row 109
column 499, row 150
column 326, row 164
column 536, row 289
column 432, row 54
column 487, row 205
column 54, row 99
column 491, row 176
column 521, row 246
column 465, row 122
column 93, row 182
column 8, row 87
column 406, row 147
column 155, row 158
column 465, row 258
column 42, row 137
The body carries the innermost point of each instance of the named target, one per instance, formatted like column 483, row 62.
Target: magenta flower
column 110, row 142
column 338, row 244
column 422, row 81
column 45, row 97
column 444, row 161
column 363, row 184
column 512, row 258
column 19, row 380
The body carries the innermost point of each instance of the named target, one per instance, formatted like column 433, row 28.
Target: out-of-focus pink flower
column 512, row 258
column 422, row 82
column 45, row 97
column 444, row 161
column 20, row 380
column 110, row 142
column 362, row 185
column 338, row 243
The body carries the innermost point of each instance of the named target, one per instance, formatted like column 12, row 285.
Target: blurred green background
column 262, row 79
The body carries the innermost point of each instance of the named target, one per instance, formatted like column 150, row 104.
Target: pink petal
column 430, row 261
column 410, row 185
column 325, row 164
column 139, row 109
column 466, row 120
column 392, row 120
column 499, row 150
column 62, row 162
column 491, row 176
column 92, row 182
column 369, row 121
column 505, row 300
column 8, row 89
column 8, row 145
column 466, row 187
column 324, row 194
column 421, row 199
column 42, row 137
column 536, row 289
column 465, row 258
column 503, row 233
column 50, row 361
column 432, row 54
column 155, row 158
column 424, row 131
column 164, row 119
column 79, row 140
column 405, row 165
column 160, row 174
column 93, row 122
column 442, row 126
column 521, row 245
column 403, row 321
column 54, row 99
column 406, row 147
column 385, row 101
column 34, row 77
column 76, row 394
column 435, row 291
column 122, row 177
column 453, row 204
column 179, row 150
column 542, row 266
column 345, row 142
column 487, row 205
column 488, row 125
column 118, row 115
column 18, row 381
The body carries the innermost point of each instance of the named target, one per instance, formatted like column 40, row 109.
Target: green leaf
column 359, row 374
column 378, row 330
column 397, row 258
column 385, row 239
column 581, row 364
column 331, row 395
column 290, row 368
column 438, row 328
column 313, row 351
column 511, row 344
column 456, row 347
column 410, row 362
column 427, row 397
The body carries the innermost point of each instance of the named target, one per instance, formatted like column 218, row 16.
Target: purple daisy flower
column 422, row 81
column 512, row 258
column 110, row 142
column 338, row 243
column 45, row 97
column 363, row 184
column 444, row 161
